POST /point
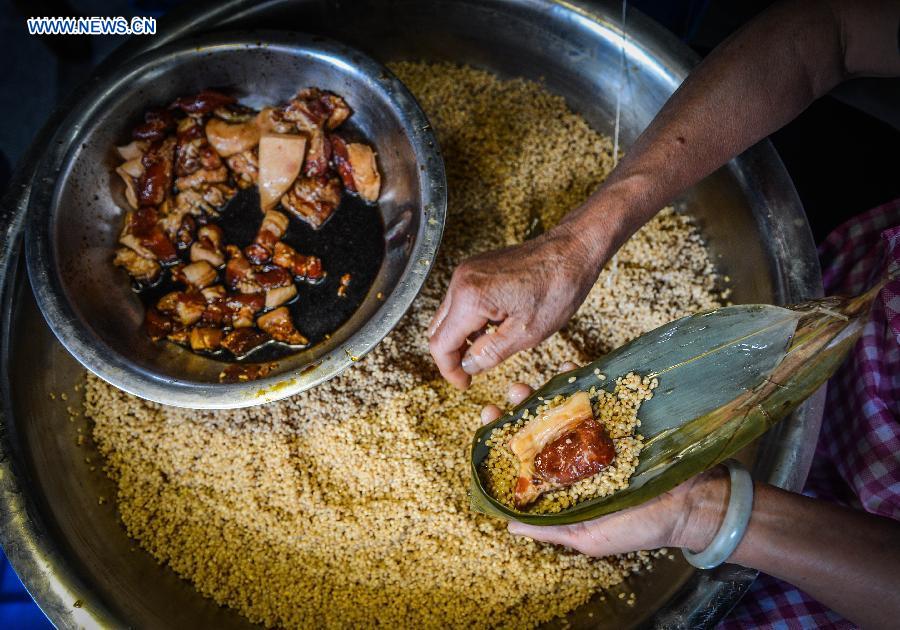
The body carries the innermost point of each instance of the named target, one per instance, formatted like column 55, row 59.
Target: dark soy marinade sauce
column 351, row 241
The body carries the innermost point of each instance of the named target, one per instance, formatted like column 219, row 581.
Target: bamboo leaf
column 726, row 376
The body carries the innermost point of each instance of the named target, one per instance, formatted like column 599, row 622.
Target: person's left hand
column 665, row 521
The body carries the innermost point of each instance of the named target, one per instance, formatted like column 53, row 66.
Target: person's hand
column 530, row 291
column 687, row 516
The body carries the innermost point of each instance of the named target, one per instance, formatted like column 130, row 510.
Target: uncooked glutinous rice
column 346, row 505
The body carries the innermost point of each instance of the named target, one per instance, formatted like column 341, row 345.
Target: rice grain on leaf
column 764, row 361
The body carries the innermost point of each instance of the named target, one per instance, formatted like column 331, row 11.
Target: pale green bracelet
column 734, row 525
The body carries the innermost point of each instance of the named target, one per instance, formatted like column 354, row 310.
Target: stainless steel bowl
column 76, row 214
column 67, row 548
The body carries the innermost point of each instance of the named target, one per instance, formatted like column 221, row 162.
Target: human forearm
column 750, row 86
column 846, row 559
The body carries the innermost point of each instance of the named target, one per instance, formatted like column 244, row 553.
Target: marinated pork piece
column 203, row 102
column 197, row 275
column 139, row 268
column 280, row 161
column 277, row 296
column 278, row 286
column 313, row 200
column 134, row 244
column 239, row 274
column 365, row 171
column 184, row 235
column 157, row 124
column 235, row 113
column 231, row 138
column 142, row 234
column 245, row 168
column 213, row 293
column 193, row 152
column 271, row 120
column 356, row 165
column 206, row 200
column 181, row 336
column 314, row 112
column 318, row 155
column 583, row 452
column 134, row 150
column 130, row 172
column 216, row 195
column 315, row 108
column 240, row 308
column 341, row 159
column 206, row 339
column 157, row 325
column 339, row 111
column 272, row 229
column 558, row 448
column 278, row 325
column 208, row 246
column 201, row 177
column 303, row 267
column 173, row 215
column 242, row 341
column 155, row 181
column 187, row 308
column 272, row 278
column 257, row 254
column 215, row 315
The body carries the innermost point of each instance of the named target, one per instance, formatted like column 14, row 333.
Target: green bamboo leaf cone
column 725, row 377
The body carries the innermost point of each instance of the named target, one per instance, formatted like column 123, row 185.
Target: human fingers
column 600, row 537
column 647, row 526
column 553, row 534
column 439, row 315
column 448, row 342
column 490, row 413
column 487, row 351
column 518, row 392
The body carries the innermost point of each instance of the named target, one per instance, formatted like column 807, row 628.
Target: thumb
column 489, row 350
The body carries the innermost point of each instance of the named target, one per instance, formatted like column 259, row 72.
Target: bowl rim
column 115, row 368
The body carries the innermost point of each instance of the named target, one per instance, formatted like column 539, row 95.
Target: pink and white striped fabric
column 857, row 460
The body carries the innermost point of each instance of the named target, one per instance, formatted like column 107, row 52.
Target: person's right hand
column 530, row 290
column 686, row 516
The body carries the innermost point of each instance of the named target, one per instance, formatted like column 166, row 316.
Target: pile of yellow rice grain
column 346, row 506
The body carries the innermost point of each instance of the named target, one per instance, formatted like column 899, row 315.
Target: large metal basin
column 72, row 553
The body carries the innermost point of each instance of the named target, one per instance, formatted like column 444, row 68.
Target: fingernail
column 515, row 528
column 438, row 318
column 469, row 365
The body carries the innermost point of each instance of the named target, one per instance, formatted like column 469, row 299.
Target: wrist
column 704, row 504
column 608, row 218
column 583, row 243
